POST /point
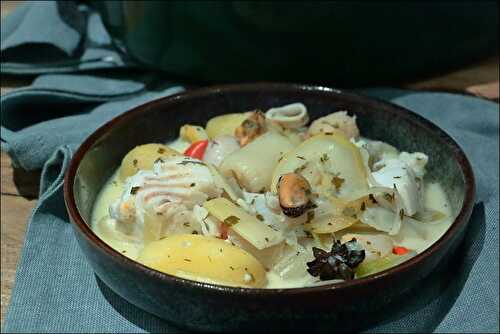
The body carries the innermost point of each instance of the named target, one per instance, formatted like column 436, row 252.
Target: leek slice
column 337, row 157
column 372, row 267
column 247, row 226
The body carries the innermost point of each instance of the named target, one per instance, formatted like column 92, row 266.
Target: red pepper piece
column 224, row 229
column 400, row 250
column 197, row 149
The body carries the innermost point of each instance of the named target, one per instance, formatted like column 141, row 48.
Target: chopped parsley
column 231, row 220
column 337, row 182
column 134, row 190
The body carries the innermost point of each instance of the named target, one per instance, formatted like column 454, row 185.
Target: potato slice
column 339, row 159
column 248, row 227
column 329, row 223
column 142, row 157
column 224, row 124
column 204, row 259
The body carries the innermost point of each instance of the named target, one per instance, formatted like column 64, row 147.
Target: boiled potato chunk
column 224, row 124
column 142, row 157
column 336, row 162
column 192, row 133
column 253, row 164
column 205, row 259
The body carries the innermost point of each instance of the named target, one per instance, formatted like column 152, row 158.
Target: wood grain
column 480, row 79
column 14, row 213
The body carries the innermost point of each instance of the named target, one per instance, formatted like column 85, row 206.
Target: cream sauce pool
column 418, row 238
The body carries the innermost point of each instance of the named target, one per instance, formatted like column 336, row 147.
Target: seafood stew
column 271, row 200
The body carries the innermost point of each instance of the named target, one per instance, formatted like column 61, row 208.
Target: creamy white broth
column 414, row 235
column 434, row 198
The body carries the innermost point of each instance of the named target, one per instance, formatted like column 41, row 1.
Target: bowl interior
column 159, row 121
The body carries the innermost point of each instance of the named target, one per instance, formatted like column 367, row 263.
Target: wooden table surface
column 18, row 187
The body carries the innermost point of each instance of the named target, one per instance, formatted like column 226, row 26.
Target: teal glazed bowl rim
column 78, row 222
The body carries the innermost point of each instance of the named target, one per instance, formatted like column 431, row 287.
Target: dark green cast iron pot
column 345, row 43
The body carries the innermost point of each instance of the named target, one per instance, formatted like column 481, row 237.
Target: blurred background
column 348, row 43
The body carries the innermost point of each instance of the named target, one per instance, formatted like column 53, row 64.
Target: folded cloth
column 56, row 290
column 57, row 36
column 52, row 96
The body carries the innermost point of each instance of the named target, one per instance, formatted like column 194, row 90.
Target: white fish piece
column 290, row 116
column 397, row 173
column 209, row 225
column 167, row 196
column 417, row 162
column 337, row 121
column 258, row 205
column 219, row 148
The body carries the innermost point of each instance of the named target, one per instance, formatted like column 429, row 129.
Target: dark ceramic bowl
column 211, row 307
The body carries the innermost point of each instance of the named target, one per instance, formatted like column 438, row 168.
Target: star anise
column 338, row 263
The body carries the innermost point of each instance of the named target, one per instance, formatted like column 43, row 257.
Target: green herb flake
column 300, row 169
column 337, row 182
column 349, row 212
column 310, row 216
column 134, row 190
column 389, row 197
column 231, row 220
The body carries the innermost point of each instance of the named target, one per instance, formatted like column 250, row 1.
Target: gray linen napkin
column 56, row 290
column 57, row 36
